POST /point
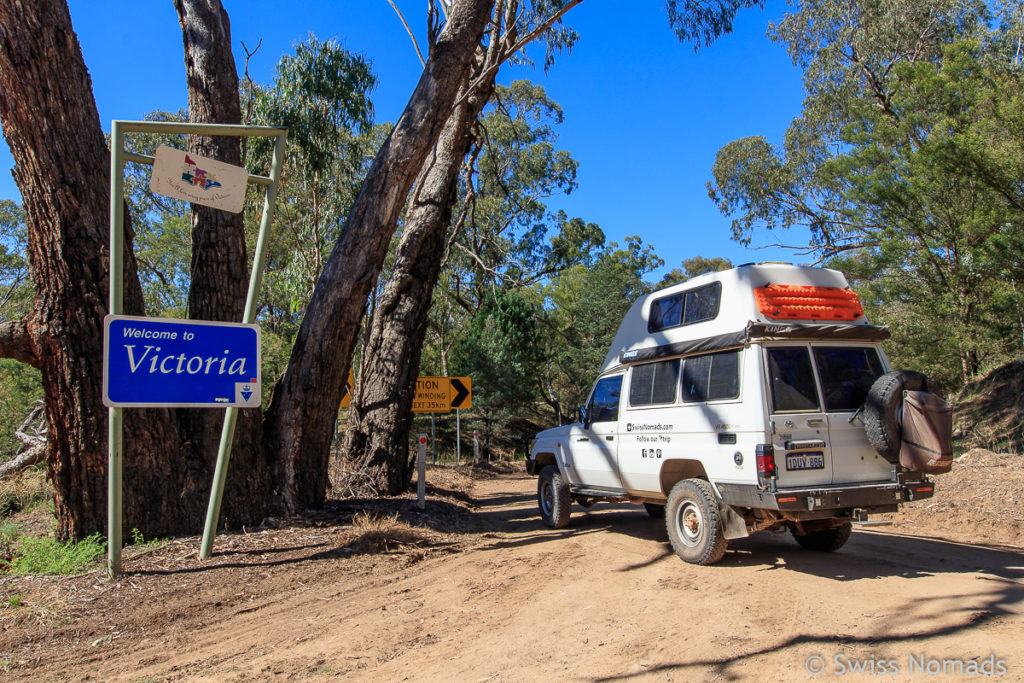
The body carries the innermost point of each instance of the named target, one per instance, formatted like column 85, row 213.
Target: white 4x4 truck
column 750, row 399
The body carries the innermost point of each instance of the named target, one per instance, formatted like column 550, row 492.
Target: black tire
column 883, row 408
column 655, row 510
column 827, row 540
column 553, row 498
column 693, row 522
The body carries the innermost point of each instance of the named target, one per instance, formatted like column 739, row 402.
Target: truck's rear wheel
column 826, row 540
column 693, row 522
column 553, row 498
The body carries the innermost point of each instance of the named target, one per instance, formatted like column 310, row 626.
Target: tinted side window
column 684, row 308
column 712, row 377
column 654, row 383
column 702, row 304
column 666, row 312
column 792, row 380
column 846, row 376
column 604, row 404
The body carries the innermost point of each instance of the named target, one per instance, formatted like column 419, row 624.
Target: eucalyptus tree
column 902, row 166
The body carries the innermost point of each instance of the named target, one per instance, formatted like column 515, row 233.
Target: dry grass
column 23, row 491
column 384, row 533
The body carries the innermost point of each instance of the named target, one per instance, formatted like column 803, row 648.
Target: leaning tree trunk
column 377, row 436
column 62, row 166
column 219, row 274
column 300, row 422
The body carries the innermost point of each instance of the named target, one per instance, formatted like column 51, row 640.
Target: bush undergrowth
column 46, row 555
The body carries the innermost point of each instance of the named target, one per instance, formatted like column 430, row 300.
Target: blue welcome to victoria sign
column 159, row 362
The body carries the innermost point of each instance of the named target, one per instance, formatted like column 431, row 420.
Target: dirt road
column 602, row 600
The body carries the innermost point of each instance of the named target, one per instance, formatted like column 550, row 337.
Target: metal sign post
column 118, row 157
column 458, row 439
column 421, row 472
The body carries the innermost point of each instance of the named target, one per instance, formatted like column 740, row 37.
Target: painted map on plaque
column 199, row 180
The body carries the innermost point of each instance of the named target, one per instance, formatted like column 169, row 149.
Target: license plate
column 805, row 461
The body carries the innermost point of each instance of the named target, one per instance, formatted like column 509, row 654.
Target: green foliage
column 20, row 389
column 585, row 305
column 905, row 167
column 15, row 289
column 322, row 94
column 702, row 22
column 692, row 267
column 501, row 353
column 45, row 555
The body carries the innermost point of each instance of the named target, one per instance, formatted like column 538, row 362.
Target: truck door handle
column 816, row 422
column 583, row 438
column 610, row 438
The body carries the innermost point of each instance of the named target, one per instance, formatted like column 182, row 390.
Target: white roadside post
column 476, row 447
column 421, row 471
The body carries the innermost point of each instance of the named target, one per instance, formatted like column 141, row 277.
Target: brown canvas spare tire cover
column 884, row 406
column 927, row 433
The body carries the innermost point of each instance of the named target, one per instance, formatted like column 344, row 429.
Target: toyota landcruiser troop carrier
column 757, row 398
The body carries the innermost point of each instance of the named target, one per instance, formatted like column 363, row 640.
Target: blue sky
column 644, row 114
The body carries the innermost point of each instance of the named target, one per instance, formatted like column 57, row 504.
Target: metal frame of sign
column 118, row 157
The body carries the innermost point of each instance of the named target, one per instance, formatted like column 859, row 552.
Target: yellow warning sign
column 346, row 400
column 442, row 394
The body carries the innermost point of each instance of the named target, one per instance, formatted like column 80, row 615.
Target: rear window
column 713, row 377
column 846, row 375
column 792, row 380
column 685, row 308
column 653, row 383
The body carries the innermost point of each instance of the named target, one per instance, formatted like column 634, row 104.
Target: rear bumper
column 827, row 501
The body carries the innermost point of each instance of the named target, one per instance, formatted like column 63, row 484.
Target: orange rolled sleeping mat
column 808, row 302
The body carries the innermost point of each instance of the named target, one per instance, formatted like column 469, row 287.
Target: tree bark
column 377, row 436
column 299, row 425
column 50, row 121
column 219, row 272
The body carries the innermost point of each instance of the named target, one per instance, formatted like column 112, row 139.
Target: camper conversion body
column 736, row 402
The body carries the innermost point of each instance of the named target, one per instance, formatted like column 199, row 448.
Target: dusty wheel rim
column 547, row 498
column 690, row 524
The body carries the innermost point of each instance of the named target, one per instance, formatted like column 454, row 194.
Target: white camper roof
column 737, row 311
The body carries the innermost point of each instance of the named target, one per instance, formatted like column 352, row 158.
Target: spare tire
column 884, row 406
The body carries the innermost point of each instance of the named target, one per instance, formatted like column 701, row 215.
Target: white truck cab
column 735, row 402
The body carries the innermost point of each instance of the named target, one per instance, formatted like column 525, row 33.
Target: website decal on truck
column 630, row 427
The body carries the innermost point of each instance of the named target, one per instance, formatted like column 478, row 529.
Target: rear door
column 846, row 374
column 803, row 456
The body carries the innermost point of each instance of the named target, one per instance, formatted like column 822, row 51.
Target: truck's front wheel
column 693, row 522
column 553, row 498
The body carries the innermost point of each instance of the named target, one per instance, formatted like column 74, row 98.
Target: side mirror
column 581, row 414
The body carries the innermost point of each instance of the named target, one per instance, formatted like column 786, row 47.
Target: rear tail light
column 765, row 463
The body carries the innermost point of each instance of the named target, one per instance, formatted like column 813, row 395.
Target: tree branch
column 408, row 30
column 16, row 343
